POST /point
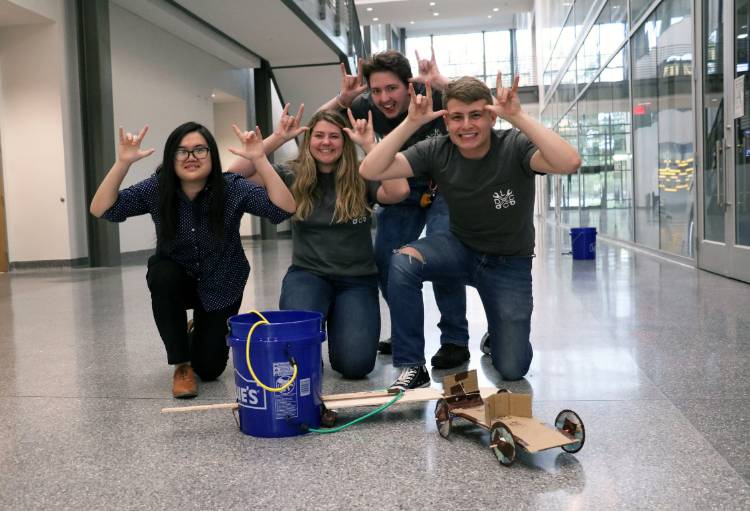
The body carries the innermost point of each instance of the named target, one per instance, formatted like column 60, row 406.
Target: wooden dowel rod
column 200, row 408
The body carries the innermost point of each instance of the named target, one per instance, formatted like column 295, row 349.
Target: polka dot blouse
column 219, row 267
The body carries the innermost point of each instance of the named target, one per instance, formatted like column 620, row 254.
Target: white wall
column 160, row 80
column 38, row 109
column 226, row 114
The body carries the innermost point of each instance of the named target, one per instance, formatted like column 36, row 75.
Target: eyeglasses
column 199, row 153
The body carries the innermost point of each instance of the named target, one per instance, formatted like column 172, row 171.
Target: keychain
column 428, row 196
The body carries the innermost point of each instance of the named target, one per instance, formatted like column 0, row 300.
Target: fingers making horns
column 423, row 63
column 503, row 94
column 132, row 139
column 420, row 100
column 360, row 125
column 292, row 120
column 351, row 80
column 247, row 136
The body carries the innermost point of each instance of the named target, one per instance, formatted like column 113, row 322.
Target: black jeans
column 173, row 291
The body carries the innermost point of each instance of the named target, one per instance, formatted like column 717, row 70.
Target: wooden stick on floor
column 200, row 408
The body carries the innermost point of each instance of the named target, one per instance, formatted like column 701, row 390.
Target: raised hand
column 361, row 132
column 428, row 69
column 129, row 149
column 351, row 86
column 289, row 125
column 506, row 104
column 252, row 144
column 420, row 107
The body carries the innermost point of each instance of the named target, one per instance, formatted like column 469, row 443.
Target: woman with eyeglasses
column 333, row 266
column 199, row 262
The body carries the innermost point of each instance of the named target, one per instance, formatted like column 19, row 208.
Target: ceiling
column 454, row 16
column 269, row 28
column 12, row 14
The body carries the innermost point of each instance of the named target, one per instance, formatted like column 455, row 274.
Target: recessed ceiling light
column 213, row 95
column 489, row 15
column 496, row 9
column 436, row 14
column 369, row 9
column 411, row 22
column 432, row 3
column 375, row 19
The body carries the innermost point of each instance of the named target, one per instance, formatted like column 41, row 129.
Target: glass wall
column 480, row 54
column 636, row 178
column 663, row 140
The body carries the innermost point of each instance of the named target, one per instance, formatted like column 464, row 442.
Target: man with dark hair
column 389, row 74
column 488, row 178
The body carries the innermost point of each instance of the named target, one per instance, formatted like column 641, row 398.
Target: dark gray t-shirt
column 327, row 248
column 490, row 200
column 382, row 125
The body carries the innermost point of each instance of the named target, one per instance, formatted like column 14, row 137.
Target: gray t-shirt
column 382, row 125
column 490, row 200
column 327, row 248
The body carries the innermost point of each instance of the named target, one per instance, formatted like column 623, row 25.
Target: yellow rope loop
column 264, row 321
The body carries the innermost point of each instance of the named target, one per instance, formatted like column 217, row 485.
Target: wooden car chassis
column 508, row 418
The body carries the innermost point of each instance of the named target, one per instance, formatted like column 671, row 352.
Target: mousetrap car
column 508, row 418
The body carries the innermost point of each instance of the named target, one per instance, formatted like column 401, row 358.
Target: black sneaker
column 414, row 377
column 484, row 345
column 384, row 346
column 450, row 355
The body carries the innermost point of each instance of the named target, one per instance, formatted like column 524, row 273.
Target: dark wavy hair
column 169, row 183
column 389, row 60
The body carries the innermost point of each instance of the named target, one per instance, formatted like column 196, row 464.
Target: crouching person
column 487, row 177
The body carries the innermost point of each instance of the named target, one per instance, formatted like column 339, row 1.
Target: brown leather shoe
column 183, row 383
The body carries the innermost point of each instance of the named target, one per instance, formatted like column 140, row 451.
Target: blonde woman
column 333, row 266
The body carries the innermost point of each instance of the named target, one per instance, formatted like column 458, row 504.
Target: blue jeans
column 351, row 312
column 504, row 286
column 402, row 223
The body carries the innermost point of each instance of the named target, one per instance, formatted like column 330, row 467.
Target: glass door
column 738, row 183
column 724, row 103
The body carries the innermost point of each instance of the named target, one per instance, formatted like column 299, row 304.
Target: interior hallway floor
column 653, row 355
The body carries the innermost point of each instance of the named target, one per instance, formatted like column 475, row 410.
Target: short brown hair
column 389, row 60
column 467, row 89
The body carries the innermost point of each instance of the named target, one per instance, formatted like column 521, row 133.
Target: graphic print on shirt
column 504, row 200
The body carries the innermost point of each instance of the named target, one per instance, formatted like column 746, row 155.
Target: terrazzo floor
column 653, row 355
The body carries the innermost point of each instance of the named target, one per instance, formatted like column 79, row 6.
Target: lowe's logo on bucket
column 249, row 394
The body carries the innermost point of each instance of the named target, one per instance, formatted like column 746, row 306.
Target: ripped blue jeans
column 504, row 286
column 401, row 223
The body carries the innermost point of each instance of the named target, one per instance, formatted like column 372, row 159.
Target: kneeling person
column 487, row 177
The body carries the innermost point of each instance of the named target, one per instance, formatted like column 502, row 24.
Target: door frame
column 725, row 258
column 4, row 260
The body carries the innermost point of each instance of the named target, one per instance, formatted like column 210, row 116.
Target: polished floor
column 653, row 355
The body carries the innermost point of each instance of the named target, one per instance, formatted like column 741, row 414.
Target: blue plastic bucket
column 291, row 335
column 583, row 242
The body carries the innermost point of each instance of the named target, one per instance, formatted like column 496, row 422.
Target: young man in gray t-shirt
column 487, row 177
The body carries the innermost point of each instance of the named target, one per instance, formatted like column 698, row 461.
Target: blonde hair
column 351, row 192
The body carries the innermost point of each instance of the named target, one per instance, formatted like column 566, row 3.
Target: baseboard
column 80, row 262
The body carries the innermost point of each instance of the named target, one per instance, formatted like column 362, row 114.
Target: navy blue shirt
column 219, row 266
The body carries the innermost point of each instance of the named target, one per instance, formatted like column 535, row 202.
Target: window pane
column 459, row 54
column 645, row 134
column 524, row 50
column 497, row 48
column 676, row 164
column 663, row 128
column 638, row 7
column 570, row 184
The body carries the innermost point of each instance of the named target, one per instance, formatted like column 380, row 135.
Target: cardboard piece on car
column 507, row 403
column 461, row 383
column 534, row 435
